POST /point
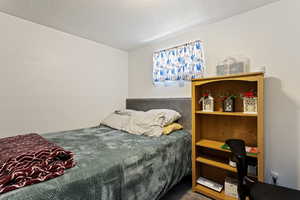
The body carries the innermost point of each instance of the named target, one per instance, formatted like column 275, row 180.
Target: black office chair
column 253, row 189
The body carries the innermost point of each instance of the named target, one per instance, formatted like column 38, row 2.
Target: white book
column 210, row 184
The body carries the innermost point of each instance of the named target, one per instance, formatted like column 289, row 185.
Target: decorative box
column 238, row 68
column 233, row 65
column 231, row 187
column 207, row 103
column 228, row 104
column 222, row 69
column 250, row 104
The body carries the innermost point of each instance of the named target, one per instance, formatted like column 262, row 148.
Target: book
column 210, row 184
column 249, row 150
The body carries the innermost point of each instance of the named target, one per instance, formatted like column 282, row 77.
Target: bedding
column 149, row 123
column 114, row 165
column 136, row 122
column 29, row 159
column 117, row 120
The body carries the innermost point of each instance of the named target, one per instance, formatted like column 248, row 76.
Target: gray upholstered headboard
column 181, row 105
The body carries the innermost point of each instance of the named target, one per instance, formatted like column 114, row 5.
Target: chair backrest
column 237, row 147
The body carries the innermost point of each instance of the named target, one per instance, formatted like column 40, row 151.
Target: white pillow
column 170, row 116
column 148, row 123
column 144, row 123
column 136, row 122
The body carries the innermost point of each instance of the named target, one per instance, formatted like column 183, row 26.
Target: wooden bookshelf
column 211, row 129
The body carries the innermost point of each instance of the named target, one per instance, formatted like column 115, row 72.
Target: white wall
column 270, row 37
column 52, row 81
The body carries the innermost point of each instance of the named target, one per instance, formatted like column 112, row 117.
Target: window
column 181, row 63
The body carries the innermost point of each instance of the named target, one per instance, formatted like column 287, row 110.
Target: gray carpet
column 183, row 191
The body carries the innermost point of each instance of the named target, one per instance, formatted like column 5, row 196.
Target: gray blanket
column 114, row 165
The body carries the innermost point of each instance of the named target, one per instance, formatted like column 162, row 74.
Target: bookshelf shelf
column 216, row 164
column 211, row 193
column 216, row 145
column 237, row 114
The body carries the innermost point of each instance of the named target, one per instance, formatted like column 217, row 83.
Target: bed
column 114, row 165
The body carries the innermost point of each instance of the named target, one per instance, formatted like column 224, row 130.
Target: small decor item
column 233, row 65
column 222, row 68
column 232, row 161
column 249, row 150
column 231, row 187
column 229, row 103
column 250, row 102
column 259, row 69
column 207, row 103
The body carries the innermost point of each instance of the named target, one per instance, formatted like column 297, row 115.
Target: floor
column 183, row 191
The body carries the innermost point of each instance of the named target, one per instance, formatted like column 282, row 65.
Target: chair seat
column 263, row 191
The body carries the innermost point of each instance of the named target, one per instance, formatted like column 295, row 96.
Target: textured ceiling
column 125, row 24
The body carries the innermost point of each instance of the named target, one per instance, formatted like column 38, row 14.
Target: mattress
column 114, row 165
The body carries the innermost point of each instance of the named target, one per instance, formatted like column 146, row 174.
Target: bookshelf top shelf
column 229, row 76
column 238, row 114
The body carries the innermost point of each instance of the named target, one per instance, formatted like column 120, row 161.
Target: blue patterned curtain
column 181, row 63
